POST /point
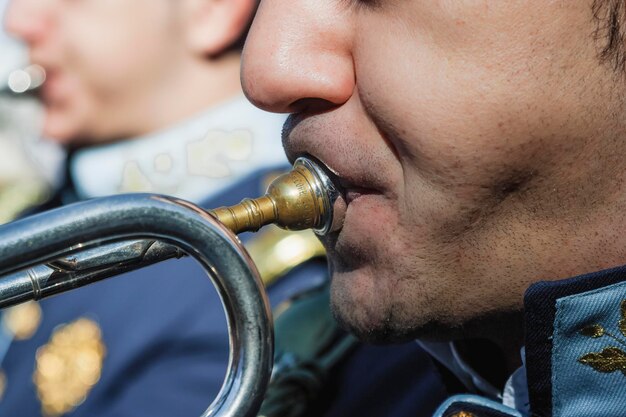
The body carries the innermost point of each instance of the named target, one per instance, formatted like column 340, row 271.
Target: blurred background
column 30, row 166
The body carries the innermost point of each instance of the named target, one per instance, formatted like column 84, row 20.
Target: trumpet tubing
column 79, row 244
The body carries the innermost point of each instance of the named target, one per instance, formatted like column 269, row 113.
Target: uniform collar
column 193, row 160
column 576, row 344
column 575, row 353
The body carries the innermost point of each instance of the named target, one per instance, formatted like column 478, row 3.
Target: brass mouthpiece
column 304, row 198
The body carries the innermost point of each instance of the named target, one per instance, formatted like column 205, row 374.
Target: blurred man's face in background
column 106, row 61
column 480, row 143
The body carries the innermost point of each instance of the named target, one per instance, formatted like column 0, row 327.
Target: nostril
column 311, row 105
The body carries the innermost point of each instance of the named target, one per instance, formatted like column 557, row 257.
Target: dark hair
column 610, row 17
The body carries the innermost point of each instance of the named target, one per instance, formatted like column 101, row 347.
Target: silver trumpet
column 79, row 244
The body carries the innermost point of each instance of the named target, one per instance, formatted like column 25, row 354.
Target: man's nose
column 28, row 20
column 297, row 56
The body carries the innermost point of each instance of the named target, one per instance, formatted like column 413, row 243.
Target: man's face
column 105, row 61
column 478, row 142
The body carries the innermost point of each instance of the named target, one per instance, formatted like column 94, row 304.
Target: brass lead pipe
column 304, row 198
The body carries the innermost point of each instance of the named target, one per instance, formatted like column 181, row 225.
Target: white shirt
column 192, row 160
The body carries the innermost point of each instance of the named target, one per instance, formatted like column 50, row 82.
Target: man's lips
column 356, row 167
column 355, row 244
column 353, row 193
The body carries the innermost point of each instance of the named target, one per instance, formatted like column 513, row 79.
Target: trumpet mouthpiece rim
column 333, row 200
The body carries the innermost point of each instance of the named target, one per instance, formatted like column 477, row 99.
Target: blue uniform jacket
column 165, row 348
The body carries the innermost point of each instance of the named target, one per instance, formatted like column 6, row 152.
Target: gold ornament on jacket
column 68, row 366
column 612, row 358
column 23, row 320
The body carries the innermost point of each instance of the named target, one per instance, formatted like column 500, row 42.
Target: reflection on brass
column 269, row 177
column 276, row 252
column 22, row 320
column 463, row 414
column 68, row 366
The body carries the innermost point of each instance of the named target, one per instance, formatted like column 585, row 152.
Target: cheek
column 478, row 110
column 112, row 53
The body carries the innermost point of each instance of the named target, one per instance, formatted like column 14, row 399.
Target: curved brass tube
column 86, row 242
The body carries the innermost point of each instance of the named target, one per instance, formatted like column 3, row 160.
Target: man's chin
column 379, row 312
column 58, row 129
column 381, row 332
column 384, row 329
column 366, row 311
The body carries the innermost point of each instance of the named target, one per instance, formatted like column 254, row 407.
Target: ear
column 213, row 26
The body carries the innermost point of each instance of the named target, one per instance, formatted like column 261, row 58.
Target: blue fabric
column 164, row 331
column 6, row 338
column 559, row 384
column 540, row 303
column 476, row 405
column 578, row 389
column 386, row 381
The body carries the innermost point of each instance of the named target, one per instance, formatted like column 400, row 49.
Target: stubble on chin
column 359, row 311
column 393, row 300
column 376, row 306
